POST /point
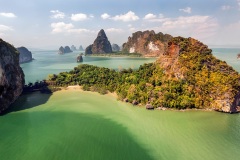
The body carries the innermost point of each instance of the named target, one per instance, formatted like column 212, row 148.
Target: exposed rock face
column 212, row 81
column 147, row 43
column 25, row 55
column 81, row 48
column 100, row 45
column 79, row 58
column 11, row 75
column 115, row 47
column 73, row 48
column 64, row 50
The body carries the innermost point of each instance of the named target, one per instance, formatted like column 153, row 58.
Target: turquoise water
column 74, row 124
column 229, row 55
column 85, row 125
column 49, row 62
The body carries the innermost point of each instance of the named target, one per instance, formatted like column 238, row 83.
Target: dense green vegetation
column 205, row 80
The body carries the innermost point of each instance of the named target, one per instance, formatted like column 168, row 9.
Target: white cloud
column 149, row 16
column 199, row 27
column 8, row 15
column 185, row 21
column 116, row 30
column 57, row 14
column 130, row 16
column 79, row 30
column 61, row 27
column 105, row 16
column 225, row 8
column 79, row 17
column 186, row 10
column 91, row 16
column 5, row 28
column 160, row 18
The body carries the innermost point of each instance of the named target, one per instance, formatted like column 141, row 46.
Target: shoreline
column 114, row 95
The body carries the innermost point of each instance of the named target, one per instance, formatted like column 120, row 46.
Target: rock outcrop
column 100, row 45
column 73, row 48
column 115, row 48
column 147, row 43
column 25, row 55
column 11, row 75
column 79, row 58
column 64, row 50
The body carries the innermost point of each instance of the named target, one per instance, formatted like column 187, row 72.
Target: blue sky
column 48, row 24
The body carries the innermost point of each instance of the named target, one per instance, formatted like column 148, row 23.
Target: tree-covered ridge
column 187, row 75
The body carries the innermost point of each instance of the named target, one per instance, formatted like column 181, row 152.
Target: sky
column 49, row 24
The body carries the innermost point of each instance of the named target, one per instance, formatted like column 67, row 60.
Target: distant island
column 81, row 48
column 100, row 45
column 115, row 48
column 73, row 48
column 25, row 55
column 64, row 50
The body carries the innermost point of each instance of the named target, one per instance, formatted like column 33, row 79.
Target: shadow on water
column 27, row 101
column 68, row 135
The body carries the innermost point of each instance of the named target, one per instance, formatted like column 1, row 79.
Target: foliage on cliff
column 187, row 75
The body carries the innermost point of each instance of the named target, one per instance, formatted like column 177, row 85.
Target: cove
column 73, row 124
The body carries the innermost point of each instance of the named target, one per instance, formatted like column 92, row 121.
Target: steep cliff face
column 100, row 45
column 211, row 83
column 148, row 43
column 11, row 75
column 25, row 55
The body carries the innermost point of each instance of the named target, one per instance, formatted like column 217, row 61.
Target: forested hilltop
column 187, row 75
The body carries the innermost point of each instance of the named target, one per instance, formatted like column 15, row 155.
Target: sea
column 74, row 124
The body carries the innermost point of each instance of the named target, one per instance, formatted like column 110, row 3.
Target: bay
column 73, row 124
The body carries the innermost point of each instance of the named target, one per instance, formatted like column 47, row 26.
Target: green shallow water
column 85, row 125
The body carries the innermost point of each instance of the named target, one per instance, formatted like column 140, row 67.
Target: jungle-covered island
column 186, row 75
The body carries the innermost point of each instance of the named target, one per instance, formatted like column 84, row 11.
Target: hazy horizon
column 51, row 24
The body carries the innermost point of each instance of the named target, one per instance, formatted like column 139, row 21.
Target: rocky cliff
column 210, row 82
column 147, row 43
column 11, row 75
column 100, row 45
column 64, row 50
column 25, row 55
